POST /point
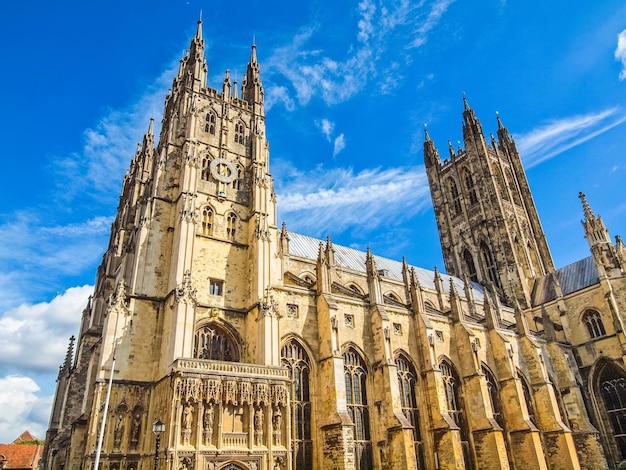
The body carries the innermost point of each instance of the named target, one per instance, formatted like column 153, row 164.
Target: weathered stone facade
column 263, row 349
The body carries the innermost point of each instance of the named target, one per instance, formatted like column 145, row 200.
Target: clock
column 223, row 170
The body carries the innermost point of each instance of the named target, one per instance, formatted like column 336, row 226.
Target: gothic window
column 407, row 379
column 212, row 342
column 612, row 385
column 489, row 264
column 455, row 409
column 355, row 288
column 206, row 171
column 231, row 223
column 496, row 405
column 527, row 397
column 209, row 125
column 513, row 187
column 239, row 133
column 454, row 194
column 469, row 264
column 469, row 186
column 237, row 181
column 216, row 287
column 356, row 396
column 207, row 220
column 497, row 173
column 393, row 297
column 296, row 360
column 594, row 323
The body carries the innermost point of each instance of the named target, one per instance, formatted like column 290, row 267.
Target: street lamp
column 158, row 428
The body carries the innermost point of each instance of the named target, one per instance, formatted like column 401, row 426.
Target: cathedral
column 216, row 339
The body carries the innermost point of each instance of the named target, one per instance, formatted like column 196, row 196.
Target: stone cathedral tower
column 488, row 223
column 192, row 249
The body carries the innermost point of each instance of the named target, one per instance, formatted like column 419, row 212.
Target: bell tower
column 486, row 216
column 183, row 317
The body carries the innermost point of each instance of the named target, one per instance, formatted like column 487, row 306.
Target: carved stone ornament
column 185, row 292
column 269, row 305
column 117, row 300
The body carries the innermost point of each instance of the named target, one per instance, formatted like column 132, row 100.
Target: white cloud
column 30, row 247
column 97, row 169
column 278, row 94
column 336, row 199
column 340, row 144
column 35, row 336
column 620, row 53
column 313, row 72
column 326, row 127
column 22, row 409
column 557, row 136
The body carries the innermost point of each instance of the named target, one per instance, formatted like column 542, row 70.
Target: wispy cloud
column 557, row 136
column 620, row 53
column 29, row 247
column 340, row 144
column 338, row 198
column 96, row 169
column 312, row 71
column 326, row 127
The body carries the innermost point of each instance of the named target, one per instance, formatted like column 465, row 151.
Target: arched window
column 471, row 267
column 469, row 186
column 494, row 396
column 455, row 408
column 296, row 360
column 454, row 194
column 497, row 173
column 354, row 288
column 527, row 397
column 356, row 396
column 209, row 125
column 407, row 379
column 207, row 220
column 489, row 264
column 206, row 171
column 212, row 342
column 612, row 388
column 594, row 323
column 513, row 187
column 237, row 181
column 239, row 133
column 393, row 296
column 231, row 223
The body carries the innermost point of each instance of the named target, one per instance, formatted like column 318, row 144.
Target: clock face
column 223, row 170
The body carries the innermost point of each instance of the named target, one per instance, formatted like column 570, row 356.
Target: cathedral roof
column 573, row 277
column 349, row 258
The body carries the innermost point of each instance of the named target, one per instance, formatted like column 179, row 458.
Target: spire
column 597, row 235
column 226, row 87
column 471, row 125
column 589, row 215
column 451, row 149
column 193, row 68
column 67, row 364
column 431, row 155
column 503, row 133
column 330, row 252
column 252, row 88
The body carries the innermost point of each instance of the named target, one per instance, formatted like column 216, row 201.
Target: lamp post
column 158, row 428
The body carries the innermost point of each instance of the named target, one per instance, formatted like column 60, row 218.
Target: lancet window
column 407, row 379
column 297, row 362
column 612, row 388
column 469, row 186
column 594, row 323
column 471, row 267
column 207, row 220
column 206, row 170
column 489, row 264
column 231, row 225
column 454, row 194
column 527, row 397
column 212, row 342
column 496, row 405
column 239, row 133
column 237, row 181
column 356, row 396
column 209, row 125
column 455, row 409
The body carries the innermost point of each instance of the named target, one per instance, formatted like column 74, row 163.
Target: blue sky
column 349, row 86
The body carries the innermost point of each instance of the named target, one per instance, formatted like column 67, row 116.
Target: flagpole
column 106, row 409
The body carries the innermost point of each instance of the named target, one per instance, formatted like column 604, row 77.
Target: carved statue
column 187, row 420
column 135, row 429
column 208, row 423
column 258, row 426
column 118, row 433
column 278, row 418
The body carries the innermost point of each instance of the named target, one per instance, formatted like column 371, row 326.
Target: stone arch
column 308, row 277
column 355, row 288
column 216, row 341
column 607, row 385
